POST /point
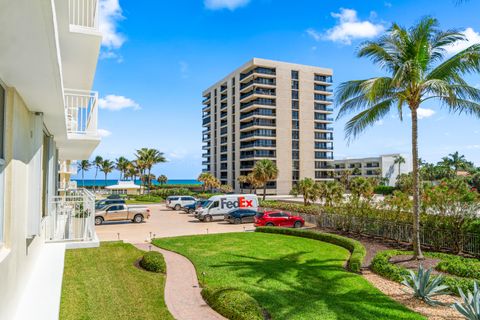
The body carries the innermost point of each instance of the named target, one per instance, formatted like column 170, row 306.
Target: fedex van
column 217, row 206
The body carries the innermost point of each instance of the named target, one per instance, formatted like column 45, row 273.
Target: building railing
column 84, row 14
column 67, row 185
column 71, row 217
column 81, row 111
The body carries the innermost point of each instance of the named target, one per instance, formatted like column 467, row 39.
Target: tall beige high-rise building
column 269, row 110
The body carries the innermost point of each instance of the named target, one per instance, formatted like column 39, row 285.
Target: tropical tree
column 417, row 72
column 107, row 167
column 162, row 179
column 309, row 189
column 226, row 188
column 83, row 166
column 265, row 170
column 399, row 160
column 331, row 192
column 149, row 158
column 455, row 161
column 242, row 180
column 253, row 182
column 345, row 177
column 209, row 180
column 121, row 164
column 97, row 162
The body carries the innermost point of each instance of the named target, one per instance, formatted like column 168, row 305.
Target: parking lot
column 164, row 222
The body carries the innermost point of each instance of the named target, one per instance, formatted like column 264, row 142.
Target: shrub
column 357, row 250
column 233, row 304
column 381, row 266
column 153, row 261
column 146, row 198
column 166, row 192
column 424, row 286
column 384, row 190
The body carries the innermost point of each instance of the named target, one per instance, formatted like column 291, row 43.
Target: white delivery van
column 217, row 206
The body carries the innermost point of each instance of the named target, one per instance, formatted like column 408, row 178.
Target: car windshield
column 207, row 204
column 259, row 214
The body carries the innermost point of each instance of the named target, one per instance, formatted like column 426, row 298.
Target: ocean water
column 111, row 182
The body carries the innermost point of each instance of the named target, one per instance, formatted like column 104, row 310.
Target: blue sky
column 158, row 56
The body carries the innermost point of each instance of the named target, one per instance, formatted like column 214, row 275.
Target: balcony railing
column 81, row 111
column 67, row 185
column 84, row 14
column 71, row 217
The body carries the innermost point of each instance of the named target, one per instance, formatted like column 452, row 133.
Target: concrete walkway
column 182, row 292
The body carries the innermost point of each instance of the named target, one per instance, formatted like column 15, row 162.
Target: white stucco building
column 48, row 115
column 383, row 166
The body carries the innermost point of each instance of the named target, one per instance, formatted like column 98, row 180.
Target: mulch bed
column 407, row 262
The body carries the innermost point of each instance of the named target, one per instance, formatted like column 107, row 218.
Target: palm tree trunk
column 149, row 180
column 105, row 186
column 83, row 178
column 95, row 184
column 417, row 250
column 264, row 190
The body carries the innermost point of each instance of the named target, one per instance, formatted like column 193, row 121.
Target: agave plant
column 470, row 305
column 424, row 286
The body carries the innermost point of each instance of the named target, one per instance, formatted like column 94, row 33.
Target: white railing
column 68, row 168
column 67, row 185
column 83, row 13
column 71, row 217
column 81, row 111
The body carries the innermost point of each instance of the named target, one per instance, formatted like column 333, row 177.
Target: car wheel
column 138, row 218
column 237, row 221
column 98, row 221
column 269, row 224
column 191, row 211
column 208, row 218
column 297, row 224
column 177, row 207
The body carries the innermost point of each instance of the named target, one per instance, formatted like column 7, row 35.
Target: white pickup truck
column 119, row 212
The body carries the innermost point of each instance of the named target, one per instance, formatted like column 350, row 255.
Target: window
column 294, row 74
column 2, row 157
column 214, row 205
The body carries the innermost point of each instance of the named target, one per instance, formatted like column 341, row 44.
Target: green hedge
column 385, row 190
column 153, row 261
column 233, row 304
column 356, row 249
column 146, row 198
column 450, row 264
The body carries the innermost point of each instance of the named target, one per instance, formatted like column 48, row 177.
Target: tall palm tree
column 97, row 163
column 150, row 157
column 204, row 177
column 265, row 170
column 418, row 71
column 309, row 189
column 162, row 179
column 242, row 180
column 107, row 167
column 253, row 182
column 398, row 160
column 83, row 166
column 455, row 161
column 121, row 164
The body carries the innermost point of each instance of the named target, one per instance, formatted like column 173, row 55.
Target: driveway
column 163, row 223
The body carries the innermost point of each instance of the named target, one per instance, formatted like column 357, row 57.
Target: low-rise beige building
column 269, row 110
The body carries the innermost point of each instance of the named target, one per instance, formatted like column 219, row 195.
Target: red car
column 278, row 219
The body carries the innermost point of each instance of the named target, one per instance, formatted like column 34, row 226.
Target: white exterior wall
column 23, row 240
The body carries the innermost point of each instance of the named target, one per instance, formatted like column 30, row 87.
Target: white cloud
column 314, row 34
column 115, row 103
column 349, row 28
column 183, row 69
column 425, row 113
column 103, row 133
column 110, row 14
column 472, row 38
column 225, row 4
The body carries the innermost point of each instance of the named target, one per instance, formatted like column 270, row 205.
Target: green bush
column 357, row 250
column 384, row 190
column 381, row 266
column 166, row 192
column 146, row 198
column 233, row 304
column 153, row 261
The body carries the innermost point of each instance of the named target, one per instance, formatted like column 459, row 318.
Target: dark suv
column 238, row 216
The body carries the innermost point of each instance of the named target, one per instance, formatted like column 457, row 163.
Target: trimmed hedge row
column 357, row 250
column 384, row 190
column 233, row 304
column 153, row 261
column 381, row 265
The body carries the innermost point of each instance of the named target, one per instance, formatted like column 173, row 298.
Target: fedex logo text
column 240, row 203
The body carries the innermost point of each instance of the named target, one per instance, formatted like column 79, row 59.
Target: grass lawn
column 103, row 283
column 141, row 202
column 291, row 277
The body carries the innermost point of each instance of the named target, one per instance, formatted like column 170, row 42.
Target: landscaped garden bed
column 288, row 277
column 104, row 283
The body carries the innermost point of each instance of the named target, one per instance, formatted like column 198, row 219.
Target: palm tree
column 121, row 164
column 309, row 189
column 150, row 157
column 83, row 166
column 399, row 159
column 253, row 182
column 242, row 180
column 162, row 179
column 455, row 161
column 97, row 162
column 417, row 72
column 265, row 170
column 204, row 177
column 107, row 167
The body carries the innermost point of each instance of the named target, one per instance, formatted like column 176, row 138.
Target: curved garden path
column 182, row 291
